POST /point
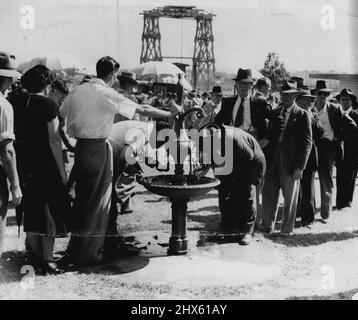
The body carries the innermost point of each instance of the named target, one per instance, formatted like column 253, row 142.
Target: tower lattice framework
column 203, row 58
column 151, row 50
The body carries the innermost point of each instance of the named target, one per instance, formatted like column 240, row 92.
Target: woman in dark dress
column 46, row 205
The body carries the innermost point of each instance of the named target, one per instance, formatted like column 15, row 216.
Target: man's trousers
column 327, row 155
column 346, row 179
column 237, row 202
column 277, row 178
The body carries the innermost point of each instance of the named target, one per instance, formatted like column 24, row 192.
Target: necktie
column 240, row 114
column 282, row 124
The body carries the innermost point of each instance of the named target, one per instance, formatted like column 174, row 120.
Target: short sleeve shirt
column 6, row 120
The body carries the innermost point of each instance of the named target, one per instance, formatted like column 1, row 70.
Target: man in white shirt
column 335, row 127
column 90, row 110
column 7, row 152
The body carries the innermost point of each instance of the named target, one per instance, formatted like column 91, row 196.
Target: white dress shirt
column 246, row 121
column 323, row 122
column 90, row 109
column 6, row 119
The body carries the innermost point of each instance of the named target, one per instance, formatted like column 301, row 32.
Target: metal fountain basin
column 164, row 185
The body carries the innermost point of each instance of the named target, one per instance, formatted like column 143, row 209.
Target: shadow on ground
column 314, row 239
column 126, row 264
column 345, row 295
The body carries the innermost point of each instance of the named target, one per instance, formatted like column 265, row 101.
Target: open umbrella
column 53, row 61
column 185, row 83
column 155, row 69
column 87, row 70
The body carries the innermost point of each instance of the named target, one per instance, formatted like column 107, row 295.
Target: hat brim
column 10, row 73
column 128, row 80
column 217, row 93
column 289, row 91
column 352, row 96
column 323, row 90
column 243, row 80
column 308, row 96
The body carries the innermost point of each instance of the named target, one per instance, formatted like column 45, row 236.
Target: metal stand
column 203, row 57
column 178, row 243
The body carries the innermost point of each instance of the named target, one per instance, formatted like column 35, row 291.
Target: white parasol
column 53, row 61
column 155, row 69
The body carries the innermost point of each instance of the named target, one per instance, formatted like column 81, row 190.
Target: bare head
column 107, row 69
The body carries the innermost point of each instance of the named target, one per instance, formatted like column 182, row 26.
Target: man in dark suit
column 244, row 111
column 248, row 113
column 291, row 138
column 307, row 202
column 335, row 126
column 237, row 190
column 347, row 166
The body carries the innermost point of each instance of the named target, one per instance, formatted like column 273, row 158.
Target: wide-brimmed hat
column 7, row 66
column 289, row 86
column 346, row 92
column 217, row 90
column 299, row 81
column 244, row 75
column 128, row 77
column 321, row 87
column 305, row 94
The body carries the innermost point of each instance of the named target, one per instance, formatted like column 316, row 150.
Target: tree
column 275, row 70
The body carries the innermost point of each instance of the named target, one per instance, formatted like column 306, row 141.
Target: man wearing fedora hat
column 291, row 139
column 127, row 82
column 335, row 126
column 124, row 184
column 347, row 166
column 7, row 152
column 211, row 107
column 245, row 111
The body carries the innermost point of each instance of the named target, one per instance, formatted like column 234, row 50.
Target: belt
column 91, row 139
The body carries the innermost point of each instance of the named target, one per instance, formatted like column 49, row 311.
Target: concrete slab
column 205, row 265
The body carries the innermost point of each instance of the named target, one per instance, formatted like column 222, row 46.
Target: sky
column 244, row 31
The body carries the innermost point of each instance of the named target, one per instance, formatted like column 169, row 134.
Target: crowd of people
column 275, row 147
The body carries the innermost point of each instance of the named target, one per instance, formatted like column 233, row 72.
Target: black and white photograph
column 178, row 155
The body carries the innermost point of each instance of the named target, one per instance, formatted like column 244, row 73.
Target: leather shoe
column 51, row 268
column 245, row 240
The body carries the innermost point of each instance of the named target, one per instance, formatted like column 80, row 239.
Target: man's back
column 248, row 158
column 90, row 110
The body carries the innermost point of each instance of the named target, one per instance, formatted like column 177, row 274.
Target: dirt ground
column 320, row 263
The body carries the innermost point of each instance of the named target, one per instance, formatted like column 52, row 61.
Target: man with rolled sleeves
column 291, row 139
column 7, row 153
column 336, row 126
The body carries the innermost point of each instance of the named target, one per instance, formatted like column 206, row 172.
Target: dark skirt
column 46, row 207
column 91, row 209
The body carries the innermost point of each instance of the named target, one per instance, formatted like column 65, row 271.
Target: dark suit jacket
column 297, row 138
column 260, row 111
column 342, row 124
column 351, row 142
column 249, row 164
column 312, row 162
